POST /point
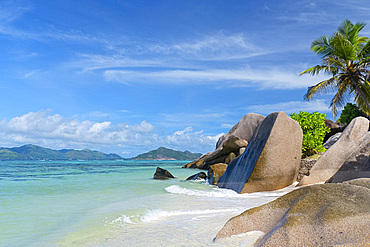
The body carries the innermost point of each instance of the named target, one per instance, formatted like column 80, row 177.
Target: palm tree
column 346, row 57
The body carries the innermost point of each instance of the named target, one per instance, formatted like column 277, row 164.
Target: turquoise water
column 114, row 203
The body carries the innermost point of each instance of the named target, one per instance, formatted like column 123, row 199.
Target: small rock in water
column 198, row 176
column 162, row 174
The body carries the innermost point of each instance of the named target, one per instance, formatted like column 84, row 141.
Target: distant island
column 34, row 152
column 163, row 153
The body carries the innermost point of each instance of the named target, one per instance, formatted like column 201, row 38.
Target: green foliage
column 33, row 152
column 345, row 56
column 314, row 130
column 166, row 153
column 350, row 112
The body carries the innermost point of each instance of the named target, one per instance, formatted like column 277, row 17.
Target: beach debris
column 162, row 174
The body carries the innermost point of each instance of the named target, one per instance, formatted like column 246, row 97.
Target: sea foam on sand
column 193, row 220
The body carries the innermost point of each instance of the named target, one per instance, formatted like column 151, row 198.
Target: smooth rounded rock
column 330, row 162
column 317, row 215
column 271, row 159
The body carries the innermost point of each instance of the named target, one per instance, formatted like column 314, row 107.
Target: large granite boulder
column 215, row 172
column 332, row 140
column 220, row 155
column 232, row 142
column 318, row 215
column 162, row 174
column 330, row 124
column 357, row 165
column 243, row 129
column 330, row 162
column 334, row 129
column 271, row 159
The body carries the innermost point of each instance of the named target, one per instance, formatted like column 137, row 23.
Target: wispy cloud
column 185, row 55
column 29, row 74
column 10, row 11
column 291, row 107
column 90, row 62
column 215, row 47
column 309, row 13
column 247, row 77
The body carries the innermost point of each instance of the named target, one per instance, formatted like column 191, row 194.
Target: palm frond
column 362, row 96
column 351, row 31
column 343, row 48
column 321, row 87
column 346, row 56
column 315, row 70
column 321, row 46
column 335, row 64
column 365, row 52
column 340, row 98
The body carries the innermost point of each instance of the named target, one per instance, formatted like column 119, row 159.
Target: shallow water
column 115, row 203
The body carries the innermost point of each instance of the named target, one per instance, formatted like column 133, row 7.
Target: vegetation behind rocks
column 314, row 130
column 350, row 112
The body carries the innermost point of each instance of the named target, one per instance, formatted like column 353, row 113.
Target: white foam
column 215, row 192
column 155, row 215
column 159, row 214
column 218, row 192
column 123, row 220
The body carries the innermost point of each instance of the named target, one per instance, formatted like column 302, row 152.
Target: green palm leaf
column 346, row 57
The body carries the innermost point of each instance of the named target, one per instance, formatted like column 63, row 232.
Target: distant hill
column 163, row 153
column 33, row 152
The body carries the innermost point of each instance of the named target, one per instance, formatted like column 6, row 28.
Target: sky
column 126, row 77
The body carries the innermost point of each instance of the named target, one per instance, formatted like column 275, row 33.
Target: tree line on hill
column 34, row 152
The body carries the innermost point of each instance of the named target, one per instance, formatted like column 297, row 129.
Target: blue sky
column 130, row 76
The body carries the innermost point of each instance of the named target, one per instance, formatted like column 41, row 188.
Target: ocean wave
column 159, row 214
column 153, row 215
column 123, row 220
column 219, row 192
column 215, row 192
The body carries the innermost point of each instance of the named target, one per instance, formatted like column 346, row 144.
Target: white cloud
column 246, row 77
column 214, row 47
column 55, row 131
column 28, row 75
column 36, row 126
column 89, row 62
column 188, row 136
column 126, row 54
column 291, row 107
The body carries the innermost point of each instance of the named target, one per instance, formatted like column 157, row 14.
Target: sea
column 116, row 203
